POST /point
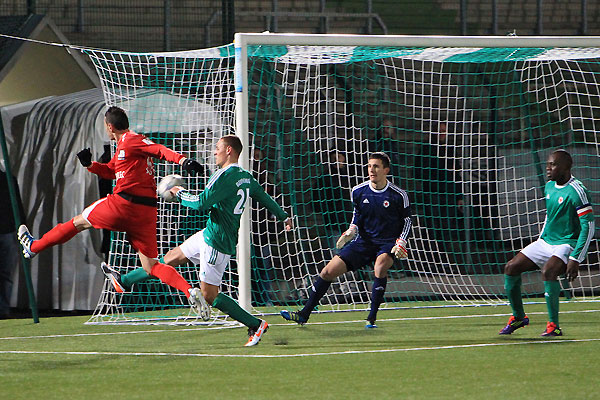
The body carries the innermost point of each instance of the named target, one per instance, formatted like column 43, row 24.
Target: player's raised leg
column 332, row 270
column 166, row 273
column 125, row 282
column 60, row 234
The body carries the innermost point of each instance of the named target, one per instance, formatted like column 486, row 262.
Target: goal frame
column 243, row 40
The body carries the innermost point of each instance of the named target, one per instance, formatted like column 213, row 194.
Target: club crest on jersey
column 386, row 203
column 560, row 200
column 121, row 155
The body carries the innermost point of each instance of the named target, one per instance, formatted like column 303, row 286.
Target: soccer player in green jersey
column 225, row 197
column 561, row 247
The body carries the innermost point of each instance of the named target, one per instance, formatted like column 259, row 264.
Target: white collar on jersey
column 556, row 185
column 387, row 183
column 230, row 165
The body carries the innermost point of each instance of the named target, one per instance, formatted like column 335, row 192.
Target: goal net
column 468, row 129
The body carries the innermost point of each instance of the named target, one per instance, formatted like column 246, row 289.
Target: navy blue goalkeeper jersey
column 381, row 215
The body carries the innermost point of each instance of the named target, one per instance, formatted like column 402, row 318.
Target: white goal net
column 468, row 129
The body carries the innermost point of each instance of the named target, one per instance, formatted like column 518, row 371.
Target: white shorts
column 212, row 262
column 540, row 252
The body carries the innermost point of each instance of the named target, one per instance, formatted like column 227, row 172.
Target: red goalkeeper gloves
column 399, row 250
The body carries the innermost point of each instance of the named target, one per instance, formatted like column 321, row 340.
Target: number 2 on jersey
column 239, row 207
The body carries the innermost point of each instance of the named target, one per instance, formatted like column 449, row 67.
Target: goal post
column 467, row 121
column 518, row 60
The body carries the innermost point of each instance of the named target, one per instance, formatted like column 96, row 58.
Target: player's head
column 337, row 159
column 116, row 118
column 228, row 150
column 440, row 134
column 558, row 166
column 379, row 168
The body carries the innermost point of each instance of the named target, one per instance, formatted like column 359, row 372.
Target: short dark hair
column 564, row 155
column 117, row 117
column 380, row 155
column 333, row 156
column 234, row 142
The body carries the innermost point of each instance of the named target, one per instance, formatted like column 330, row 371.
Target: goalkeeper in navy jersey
column 563, row 243
column 379, row 232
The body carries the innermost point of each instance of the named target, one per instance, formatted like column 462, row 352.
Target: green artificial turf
column 430, row 353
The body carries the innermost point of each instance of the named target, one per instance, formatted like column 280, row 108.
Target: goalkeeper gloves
column 347, row 236
column 399, row 250
column 191, row 165
column 85, row 157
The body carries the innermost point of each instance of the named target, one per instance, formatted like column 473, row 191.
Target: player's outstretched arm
column 85, row 157
column 105, row 171
column 399, row 249
column 192, row 166
column 347, row 236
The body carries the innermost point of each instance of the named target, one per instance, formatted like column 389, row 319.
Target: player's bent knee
column 511, row 268
column 549, row 274
column 175, row 257
column 333, row 269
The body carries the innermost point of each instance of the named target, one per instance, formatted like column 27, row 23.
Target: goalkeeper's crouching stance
column 379, row 232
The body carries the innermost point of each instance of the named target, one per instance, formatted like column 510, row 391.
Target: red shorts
column 136, row 220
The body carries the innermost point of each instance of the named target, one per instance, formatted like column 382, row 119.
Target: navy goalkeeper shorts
column 359, row 252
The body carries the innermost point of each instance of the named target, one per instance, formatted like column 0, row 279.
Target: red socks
column 60, row 234
column 171, row 277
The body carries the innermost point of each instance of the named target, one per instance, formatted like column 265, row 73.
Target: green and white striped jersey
column 225, row 197
column 569, row 217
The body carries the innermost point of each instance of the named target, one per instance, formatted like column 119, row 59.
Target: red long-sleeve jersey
column 132, row 164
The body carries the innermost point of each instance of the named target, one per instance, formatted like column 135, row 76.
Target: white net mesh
column 468, row 132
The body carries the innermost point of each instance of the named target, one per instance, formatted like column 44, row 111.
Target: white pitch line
column 362, row 321
column 204, row 329
column 120, row 333
column 333, row 353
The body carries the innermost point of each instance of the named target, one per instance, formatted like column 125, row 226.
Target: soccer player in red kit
column 132, row 206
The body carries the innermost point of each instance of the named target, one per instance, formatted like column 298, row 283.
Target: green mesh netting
column 468, row 132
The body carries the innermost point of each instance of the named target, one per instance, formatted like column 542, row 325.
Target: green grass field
column 432, row 353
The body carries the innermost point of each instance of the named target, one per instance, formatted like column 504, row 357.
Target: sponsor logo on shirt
column 148, row 141
column 120, row 174
column 121, row 155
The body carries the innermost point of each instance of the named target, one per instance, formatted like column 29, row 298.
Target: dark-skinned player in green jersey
column 561, row 247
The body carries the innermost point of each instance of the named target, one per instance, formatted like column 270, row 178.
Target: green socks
column 135, row 276
column 512, row 285
column 552, row 295
column 230, row 307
